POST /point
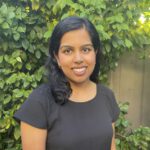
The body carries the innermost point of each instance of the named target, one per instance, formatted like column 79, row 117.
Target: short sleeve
column 111, row 103
column 115, row 111
column 34, row 110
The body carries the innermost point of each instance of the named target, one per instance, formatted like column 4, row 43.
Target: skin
column 76, row 54
column 33, row 138
column 77, row 60
column 113, row 144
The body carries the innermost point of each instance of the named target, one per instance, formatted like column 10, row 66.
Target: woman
column 73, row 111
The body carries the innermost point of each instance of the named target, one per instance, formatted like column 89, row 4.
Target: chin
column 79, row 81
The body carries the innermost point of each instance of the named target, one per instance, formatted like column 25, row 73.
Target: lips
column 79, row 71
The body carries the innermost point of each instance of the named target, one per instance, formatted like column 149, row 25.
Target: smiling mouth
column 79, row 71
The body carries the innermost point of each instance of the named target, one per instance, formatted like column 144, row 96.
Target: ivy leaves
column 127, row 138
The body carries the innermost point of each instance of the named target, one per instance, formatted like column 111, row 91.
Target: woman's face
column 76, row 56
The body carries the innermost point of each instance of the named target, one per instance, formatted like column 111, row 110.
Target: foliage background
column 25, row 27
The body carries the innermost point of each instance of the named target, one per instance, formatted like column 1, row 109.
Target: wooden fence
column 131, row 82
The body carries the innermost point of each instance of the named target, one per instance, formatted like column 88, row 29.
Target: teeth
column 79, row 71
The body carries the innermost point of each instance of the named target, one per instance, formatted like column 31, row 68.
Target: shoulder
column 42, row 89
column 42, row 96
column 105, row 90
column 37, row 108
column 110, row 101
column 41, row 92
column 107, row 94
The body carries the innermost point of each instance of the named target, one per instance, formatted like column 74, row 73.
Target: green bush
column 128, row 138
column 25, row 27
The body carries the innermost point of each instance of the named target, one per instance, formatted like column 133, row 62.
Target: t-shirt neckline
column 88, row 101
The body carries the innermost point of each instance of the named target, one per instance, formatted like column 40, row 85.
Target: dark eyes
column 84, row 50
column 67, row 51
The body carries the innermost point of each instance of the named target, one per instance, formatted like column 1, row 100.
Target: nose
column 78, row 58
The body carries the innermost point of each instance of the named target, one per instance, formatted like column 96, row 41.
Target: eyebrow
column 63, row 46
column 87, row 45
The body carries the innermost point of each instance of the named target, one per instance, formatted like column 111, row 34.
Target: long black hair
column 60, row 86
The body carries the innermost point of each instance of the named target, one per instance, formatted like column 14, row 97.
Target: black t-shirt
column 74, row 125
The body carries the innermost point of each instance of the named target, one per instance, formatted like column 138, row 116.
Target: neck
column 77, row 86
column 82, row 91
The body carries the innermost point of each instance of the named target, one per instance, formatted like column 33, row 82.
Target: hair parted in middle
column 60, row 85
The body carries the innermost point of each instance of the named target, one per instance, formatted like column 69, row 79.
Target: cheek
column 91, row 60
column 64, row 61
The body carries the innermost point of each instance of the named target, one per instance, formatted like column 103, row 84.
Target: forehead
column 76, row 36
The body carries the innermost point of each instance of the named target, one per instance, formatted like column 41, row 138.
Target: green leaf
column 25, row 44
column 47, row 34
column 16, row 36
column 19, row 66
column 6, row 57
column 18, row 93
column 21, row 29
column 27, row 92
column 117, row 141
column 28, row 66
column 38, row 76
column 17, row 133
column 124, row 108
column 124, row 26
column 107, row 47
column 35, row 4
column 2, row 124
column 31, row 48
column 1, row 20
column 125, row 123
column 11, row 15
column 12, row 61
column 4, row 9
column 26, row 84
column 1, row 59
column 5, row 25
column 11, row 79
column 34, row 84
column 19, row 59
column 39, row 32
column 5, row 46
column 38, row 54
column 116, row 18
column 16, row 53
column 32, row 34
column 24, row 56
column 7, row 99
column 128, row 43
column 115, row 45
column 49, row 4
column 55, row 8
column 129, row 14
column 105, row 35
column 100, row 28
column 2, row 84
